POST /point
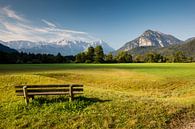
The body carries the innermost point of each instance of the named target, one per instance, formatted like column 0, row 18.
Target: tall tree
column 99, row 54
column 60, row 58
column 90, row 54
column 80, row 58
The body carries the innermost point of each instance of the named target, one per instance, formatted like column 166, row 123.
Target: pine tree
column 99, row 54
column 90, row 55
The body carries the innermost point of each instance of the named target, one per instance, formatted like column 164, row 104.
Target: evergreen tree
column 60, row 58
column 80, row 58
column 90, row 55
column 99, row 54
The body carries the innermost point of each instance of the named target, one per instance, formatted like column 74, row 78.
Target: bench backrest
column 49, row 89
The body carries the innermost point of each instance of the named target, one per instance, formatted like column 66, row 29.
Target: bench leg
column 26, row 100
column 71, row 98
column 70, row 93
column 26, row 97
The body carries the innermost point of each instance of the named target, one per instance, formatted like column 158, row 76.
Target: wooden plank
column 45, row 93
column 49, row 93
column 76, row 85
column 42, row 86
column 62, row 88
column 78, row 89
column 46, row 90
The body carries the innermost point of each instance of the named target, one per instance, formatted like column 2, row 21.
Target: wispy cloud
column 11, row 14
column 48, row 23
column 19, row 28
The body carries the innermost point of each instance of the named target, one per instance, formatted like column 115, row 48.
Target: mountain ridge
column 187, row 47
column 151, row 38
column 65, row 47
column 6, row 49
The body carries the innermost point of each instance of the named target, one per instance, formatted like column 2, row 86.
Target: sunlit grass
column 116, row 96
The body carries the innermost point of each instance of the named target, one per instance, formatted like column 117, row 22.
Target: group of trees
column 93, row 55
column 96, row 55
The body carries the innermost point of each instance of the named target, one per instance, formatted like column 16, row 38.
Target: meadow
column 132, row 96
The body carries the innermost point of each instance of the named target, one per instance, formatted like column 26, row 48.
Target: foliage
column 124, row 57
column 80, row 58
column 95, row 55
column 90, row 54
column 30, row 58
column 154, row 57
column 99, row 54
column 109, row 58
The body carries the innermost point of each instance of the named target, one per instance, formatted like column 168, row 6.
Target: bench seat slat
column 75, row 86
column 49, row 86
column 42, row 86
column 47, row 90
column 48, row 93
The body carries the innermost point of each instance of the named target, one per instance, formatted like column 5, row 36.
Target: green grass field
column 136, row 96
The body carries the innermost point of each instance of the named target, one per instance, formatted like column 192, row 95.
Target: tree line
column 96, row 55
column 30, row 58
column 93, row 55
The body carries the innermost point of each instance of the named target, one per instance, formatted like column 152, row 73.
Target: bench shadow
column 79, row 102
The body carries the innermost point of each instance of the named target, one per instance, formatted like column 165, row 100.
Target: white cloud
column 18, row 28
column 48, row 23
column 11, row 14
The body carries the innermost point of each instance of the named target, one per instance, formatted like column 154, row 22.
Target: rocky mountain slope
column 151, row 38
column 187, row 47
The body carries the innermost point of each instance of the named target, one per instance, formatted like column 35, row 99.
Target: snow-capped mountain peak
column 64, row 46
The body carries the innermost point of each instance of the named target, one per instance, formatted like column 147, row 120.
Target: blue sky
column 115, row 21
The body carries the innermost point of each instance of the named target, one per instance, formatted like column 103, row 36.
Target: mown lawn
column 144, row 96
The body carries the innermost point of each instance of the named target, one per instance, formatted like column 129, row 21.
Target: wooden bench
column 29, row 91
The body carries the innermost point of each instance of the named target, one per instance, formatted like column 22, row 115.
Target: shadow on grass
column 43, row 100
column 62, row 103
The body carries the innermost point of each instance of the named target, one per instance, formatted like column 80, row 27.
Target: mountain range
column 149, row 41
column 65, row 47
